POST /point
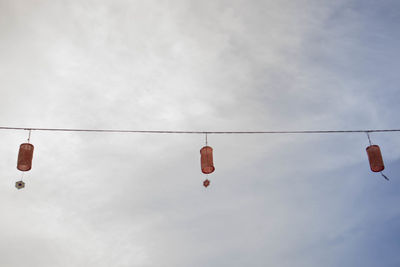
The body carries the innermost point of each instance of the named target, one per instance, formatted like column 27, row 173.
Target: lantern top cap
column 368, row 147
column 26, row 144
column 205, row 148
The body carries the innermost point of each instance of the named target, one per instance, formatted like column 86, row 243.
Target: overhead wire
column 197, row 132
column 375, row 158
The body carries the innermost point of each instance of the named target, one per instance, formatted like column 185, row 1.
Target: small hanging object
column 375, row 158
column 207, row 165
column 206, row 161
column 25, row 156
column 24, row 162
column 19, row 185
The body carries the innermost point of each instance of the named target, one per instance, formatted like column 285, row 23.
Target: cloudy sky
column 102, row 200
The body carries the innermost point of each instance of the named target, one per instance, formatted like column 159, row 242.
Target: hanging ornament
column 206, row 161
column 25, row 156
column 207, row 165
column 24, row 162
column 375, row 158
column 19, row 184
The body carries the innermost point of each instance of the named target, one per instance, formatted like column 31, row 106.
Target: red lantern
column 25, row 157
column 375, row 158
column 207, row 165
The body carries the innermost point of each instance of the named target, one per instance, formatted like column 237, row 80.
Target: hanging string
column 369, row 139
column 29, row 136
column 206, row 140
column 22, row 176
column 197, row 132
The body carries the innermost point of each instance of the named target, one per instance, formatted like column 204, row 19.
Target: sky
column 95, row 199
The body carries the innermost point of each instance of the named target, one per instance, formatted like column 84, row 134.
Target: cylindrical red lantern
column 25, row 156
column 207, row 165
column 375, row 158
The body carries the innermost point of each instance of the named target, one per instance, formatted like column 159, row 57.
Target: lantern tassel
column 384, row 176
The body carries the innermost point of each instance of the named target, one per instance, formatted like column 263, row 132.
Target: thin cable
column 206, row 140
column 29, row 136
column 369, row 139
column 197, row 132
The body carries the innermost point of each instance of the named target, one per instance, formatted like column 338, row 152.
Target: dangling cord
column 29, row 136
column 384, row 176
column 206, row 139
column 369, row 139
column 22, row 176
